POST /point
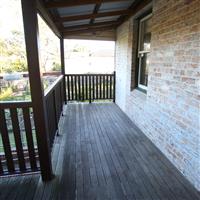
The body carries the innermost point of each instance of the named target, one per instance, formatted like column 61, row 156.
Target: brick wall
column 169, row 114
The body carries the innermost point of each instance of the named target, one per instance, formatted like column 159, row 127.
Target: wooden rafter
column 92, row 26
column 69, row 3
column 86, row 26
column 93, row 16
column 96, row 9
column 89, row 30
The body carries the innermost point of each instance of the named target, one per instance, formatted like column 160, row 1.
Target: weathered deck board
column 100, row 155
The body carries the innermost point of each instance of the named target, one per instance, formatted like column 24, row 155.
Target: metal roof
column 115, row 6
column 84, row 17
column 76, row 10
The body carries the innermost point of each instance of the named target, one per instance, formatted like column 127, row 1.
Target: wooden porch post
column 62, row 54
column 29, row 11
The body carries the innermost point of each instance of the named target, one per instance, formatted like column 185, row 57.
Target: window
column 144, row 51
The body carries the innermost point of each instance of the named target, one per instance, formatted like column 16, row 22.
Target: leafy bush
column 6, row 94
column 56, row 67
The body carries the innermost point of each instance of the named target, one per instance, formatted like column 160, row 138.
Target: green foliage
column 56, row 67
column 11, row 94
column 12, row 54
column 6, row 94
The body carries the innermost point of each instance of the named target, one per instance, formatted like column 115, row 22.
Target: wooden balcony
column 86, row 151
column 100, row 154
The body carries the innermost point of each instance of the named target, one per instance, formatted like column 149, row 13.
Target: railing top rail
column 15, row 104
column 51, row 87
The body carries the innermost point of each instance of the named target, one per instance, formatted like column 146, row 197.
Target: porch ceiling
column 91, row 18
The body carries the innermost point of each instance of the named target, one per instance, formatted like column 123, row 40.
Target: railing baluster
column 100, row 86
column 101, row 77
column 82, row 87
column 6, row 142
column 1, row 167
column 93, row 87
column 72, row 87
column 75, row 83
column 110, row 87
column 104, row 87
column 68, row 88
column 107, row 87
column 29, row 137
column 86, row 86
column 18, row 140
column 97, row 92
column 90, row 88
column 79, row 87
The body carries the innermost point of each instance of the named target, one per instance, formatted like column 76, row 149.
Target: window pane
column 144, row 69
column 145, row 35
column 144, row 50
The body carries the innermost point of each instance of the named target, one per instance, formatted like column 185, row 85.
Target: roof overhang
column 88, row 19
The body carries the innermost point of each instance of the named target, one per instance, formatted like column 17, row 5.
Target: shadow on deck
column 100, row 154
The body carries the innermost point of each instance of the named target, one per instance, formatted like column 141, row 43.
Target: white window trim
column 141, row 52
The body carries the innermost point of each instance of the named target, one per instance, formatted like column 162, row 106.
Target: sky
column 11, row 19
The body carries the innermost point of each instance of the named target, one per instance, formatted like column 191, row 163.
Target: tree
column 12, row 54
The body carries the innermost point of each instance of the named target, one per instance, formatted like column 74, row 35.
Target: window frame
column 139, row 53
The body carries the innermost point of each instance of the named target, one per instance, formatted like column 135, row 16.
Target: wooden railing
column 54, row 100
column 18, row 139
column 19, row 150
column 90, row 87
column 18, row 146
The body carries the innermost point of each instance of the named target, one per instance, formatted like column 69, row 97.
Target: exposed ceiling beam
column 96, row 10
column 89, row 30
column 86, row 26
column 61, row 4
column 93, row 16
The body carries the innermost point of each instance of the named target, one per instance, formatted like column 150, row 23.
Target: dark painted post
column 114, row 86
column 29, row 11
column 62, row 54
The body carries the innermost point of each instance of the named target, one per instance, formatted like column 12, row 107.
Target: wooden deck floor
column 100, row 154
